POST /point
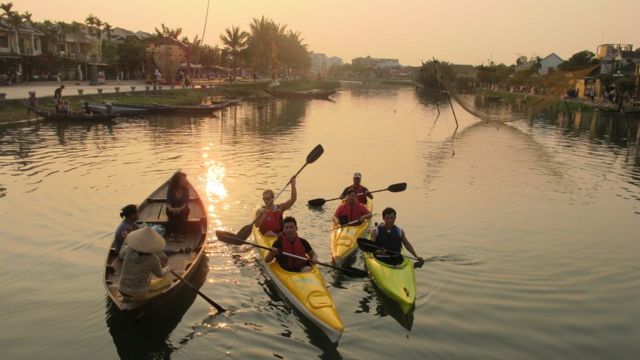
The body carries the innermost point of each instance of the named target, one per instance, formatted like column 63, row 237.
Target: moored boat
column 344, row 240
column 116, row 110
column 398, row 282
column 154, row 108
column 306, row 291
column 184, row 256
column 80, row 117
column 308, row 94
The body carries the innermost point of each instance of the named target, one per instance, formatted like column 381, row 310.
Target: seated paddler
column 391, row 237
column 351, row 210
column 269, row 217
column 289, row 241
column 142, row 270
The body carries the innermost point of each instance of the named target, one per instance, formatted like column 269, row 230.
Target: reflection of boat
column 115, row 110
column 397, row 282
column 149, row 337
column 307, row 291
column 183, row 256
column 384, row 306
column 204, row 108
column 344, row 239
column 52, row 115
column 309, row 94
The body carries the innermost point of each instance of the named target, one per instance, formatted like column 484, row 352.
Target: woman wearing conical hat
column 140, row 263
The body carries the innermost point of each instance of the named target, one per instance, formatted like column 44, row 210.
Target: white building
column 549, row 64
column 321, row 63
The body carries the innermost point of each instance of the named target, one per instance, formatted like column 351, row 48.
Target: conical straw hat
column 145, row 240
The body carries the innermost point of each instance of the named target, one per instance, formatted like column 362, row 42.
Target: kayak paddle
column 393, row 188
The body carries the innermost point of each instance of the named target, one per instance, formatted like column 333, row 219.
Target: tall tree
column 234, row 41
column 165, row 31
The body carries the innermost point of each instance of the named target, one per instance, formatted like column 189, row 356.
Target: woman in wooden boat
column 130, row 215
column 291, row 243
column 140, row 262
column 269, row 217
column 177, row 207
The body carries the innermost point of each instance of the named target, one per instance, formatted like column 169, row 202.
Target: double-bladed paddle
column 393, row 188
column 367, row 245
column 213, row 303
column 317, row 151
column 233, row 239
column 350, row 223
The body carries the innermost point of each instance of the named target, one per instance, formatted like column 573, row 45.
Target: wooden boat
column 344, row 240
column 309, row 94
column 398, row 282
column 81, row 117
column 116, row 110
column 307, row 291
column 204, row 109
column 154, row 108
column 184, row 257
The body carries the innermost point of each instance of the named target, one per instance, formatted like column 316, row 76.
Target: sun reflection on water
column 214, row 186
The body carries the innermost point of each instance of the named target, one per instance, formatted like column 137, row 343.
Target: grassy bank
column 16, row 110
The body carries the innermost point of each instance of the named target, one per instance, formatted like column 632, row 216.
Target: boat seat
column 156, row 211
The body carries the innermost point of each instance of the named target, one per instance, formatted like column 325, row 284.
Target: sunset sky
column 464, row 31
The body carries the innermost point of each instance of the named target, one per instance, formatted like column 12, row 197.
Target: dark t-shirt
column 175, row 201
column 283, row 260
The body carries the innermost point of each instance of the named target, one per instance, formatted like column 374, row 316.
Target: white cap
column 357, row 175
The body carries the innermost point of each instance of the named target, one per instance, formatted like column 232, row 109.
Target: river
column 530, row 227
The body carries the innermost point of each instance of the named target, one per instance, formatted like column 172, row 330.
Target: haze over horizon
column 463, row 32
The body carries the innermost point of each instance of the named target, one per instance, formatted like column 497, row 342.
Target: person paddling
column 351, row 210
column 291, row 243
column 269, row 217
column 391, row 237
column 362, row 192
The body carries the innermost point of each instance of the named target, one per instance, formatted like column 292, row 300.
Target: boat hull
column 344, row 241
column 396, row 282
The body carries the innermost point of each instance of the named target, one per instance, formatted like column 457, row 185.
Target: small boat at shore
column 151, row 109
column 80, row 117
column 309, row 94
column 116, row 110
column 183, row 256
column 306, row 291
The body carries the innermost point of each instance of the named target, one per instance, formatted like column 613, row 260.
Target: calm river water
column 531, row 230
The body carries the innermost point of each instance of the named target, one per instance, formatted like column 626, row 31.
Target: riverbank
column 16, row 109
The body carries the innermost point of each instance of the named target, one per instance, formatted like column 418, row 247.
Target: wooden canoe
column 309, row 94
column 80, row 117
column 184, row 257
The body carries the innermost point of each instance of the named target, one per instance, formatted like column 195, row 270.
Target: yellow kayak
column 397, row 282
column 306, row 291
column 344, row 239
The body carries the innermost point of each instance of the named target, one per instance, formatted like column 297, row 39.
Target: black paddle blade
column 316, row 202
column 418, row 264
column 245, row 232
column 315, row 154
column 397, row 187
column 355, row 272
column 229, row 238
column 366, row 245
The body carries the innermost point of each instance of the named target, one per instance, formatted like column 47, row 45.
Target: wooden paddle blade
column 315, row 154
column 316, row 202
column 397, row 187
column 229, row 238
column 366, row 245
column 245, row 232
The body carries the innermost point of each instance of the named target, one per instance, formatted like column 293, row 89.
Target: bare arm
column 294, row 196
column 313, row 257
column 271, row 255
column 409, row 247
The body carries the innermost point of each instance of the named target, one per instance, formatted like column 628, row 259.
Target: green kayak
column 396, row 281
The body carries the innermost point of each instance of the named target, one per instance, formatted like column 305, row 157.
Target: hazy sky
column 464, row 31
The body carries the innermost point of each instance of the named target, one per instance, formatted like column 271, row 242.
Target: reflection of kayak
column 80, row 117
column 307, row 292
column 397, row 282
column 184, row 256
column 344, row 240
column 309, row 94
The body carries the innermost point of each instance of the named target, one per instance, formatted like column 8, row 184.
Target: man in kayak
column 269, row 217
column 362, row 192
column 351, row 210
column 391, row 237
column 291, row 243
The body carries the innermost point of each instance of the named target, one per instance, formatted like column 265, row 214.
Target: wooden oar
column 213, row 303
column 367, row 245
column 393, row 188
column 231, row 238
column 317, row 151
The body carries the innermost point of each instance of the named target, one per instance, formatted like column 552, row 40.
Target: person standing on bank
column 391, row 237
column 57, row 94
column 269, row 218
column 177, row 207
column 291, row 243
column 361, row 191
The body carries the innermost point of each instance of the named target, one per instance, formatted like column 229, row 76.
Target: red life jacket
column 297, row 248
column 272, row 221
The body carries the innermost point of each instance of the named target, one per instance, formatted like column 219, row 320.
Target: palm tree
column 263, row 44
column 14, row 19
column 165, row 31
column 234, row 40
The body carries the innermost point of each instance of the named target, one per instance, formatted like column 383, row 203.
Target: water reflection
column 148, row 338
column 378, row 304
